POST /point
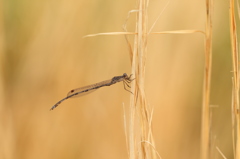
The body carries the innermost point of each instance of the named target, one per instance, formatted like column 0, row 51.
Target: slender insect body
column 75, row 92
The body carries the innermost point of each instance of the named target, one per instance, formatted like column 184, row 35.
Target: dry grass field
column 43, row 55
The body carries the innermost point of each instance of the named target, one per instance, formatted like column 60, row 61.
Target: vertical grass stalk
column 205, row 142
column 141, row 142
column 235, row 58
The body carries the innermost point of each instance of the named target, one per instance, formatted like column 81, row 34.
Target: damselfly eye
column 125, row 75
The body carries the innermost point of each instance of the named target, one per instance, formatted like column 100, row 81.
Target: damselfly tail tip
column 52, row 108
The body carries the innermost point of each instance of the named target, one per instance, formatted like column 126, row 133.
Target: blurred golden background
column 43, row 56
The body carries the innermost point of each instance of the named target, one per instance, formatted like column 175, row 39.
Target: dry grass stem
column 135, row 33
column 110, row 33
column 159, row 156
column 221, row 153
column 151, row 28
column 207, row 81
column 141, row 107
column 125, row 127
column 233, row 122
column 130, row 49
column 179, row 32
column 235, row 58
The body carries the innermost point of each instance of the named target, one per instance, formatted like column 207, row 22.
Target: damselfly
column 86, row 89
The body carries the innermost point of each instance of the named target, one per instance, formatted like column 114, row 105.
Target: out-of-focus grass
column 43, row 56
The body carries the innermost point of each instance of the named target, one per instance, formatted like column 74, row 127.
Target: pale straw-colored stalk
column 235, row 59
column 141, row 145
column 205, row 140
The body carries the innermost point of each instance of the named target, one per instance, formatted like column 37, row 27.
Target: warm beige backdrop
column 43, row 56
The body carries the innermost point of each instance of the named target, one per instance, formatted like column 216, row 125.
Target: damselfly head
column 125, row 75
